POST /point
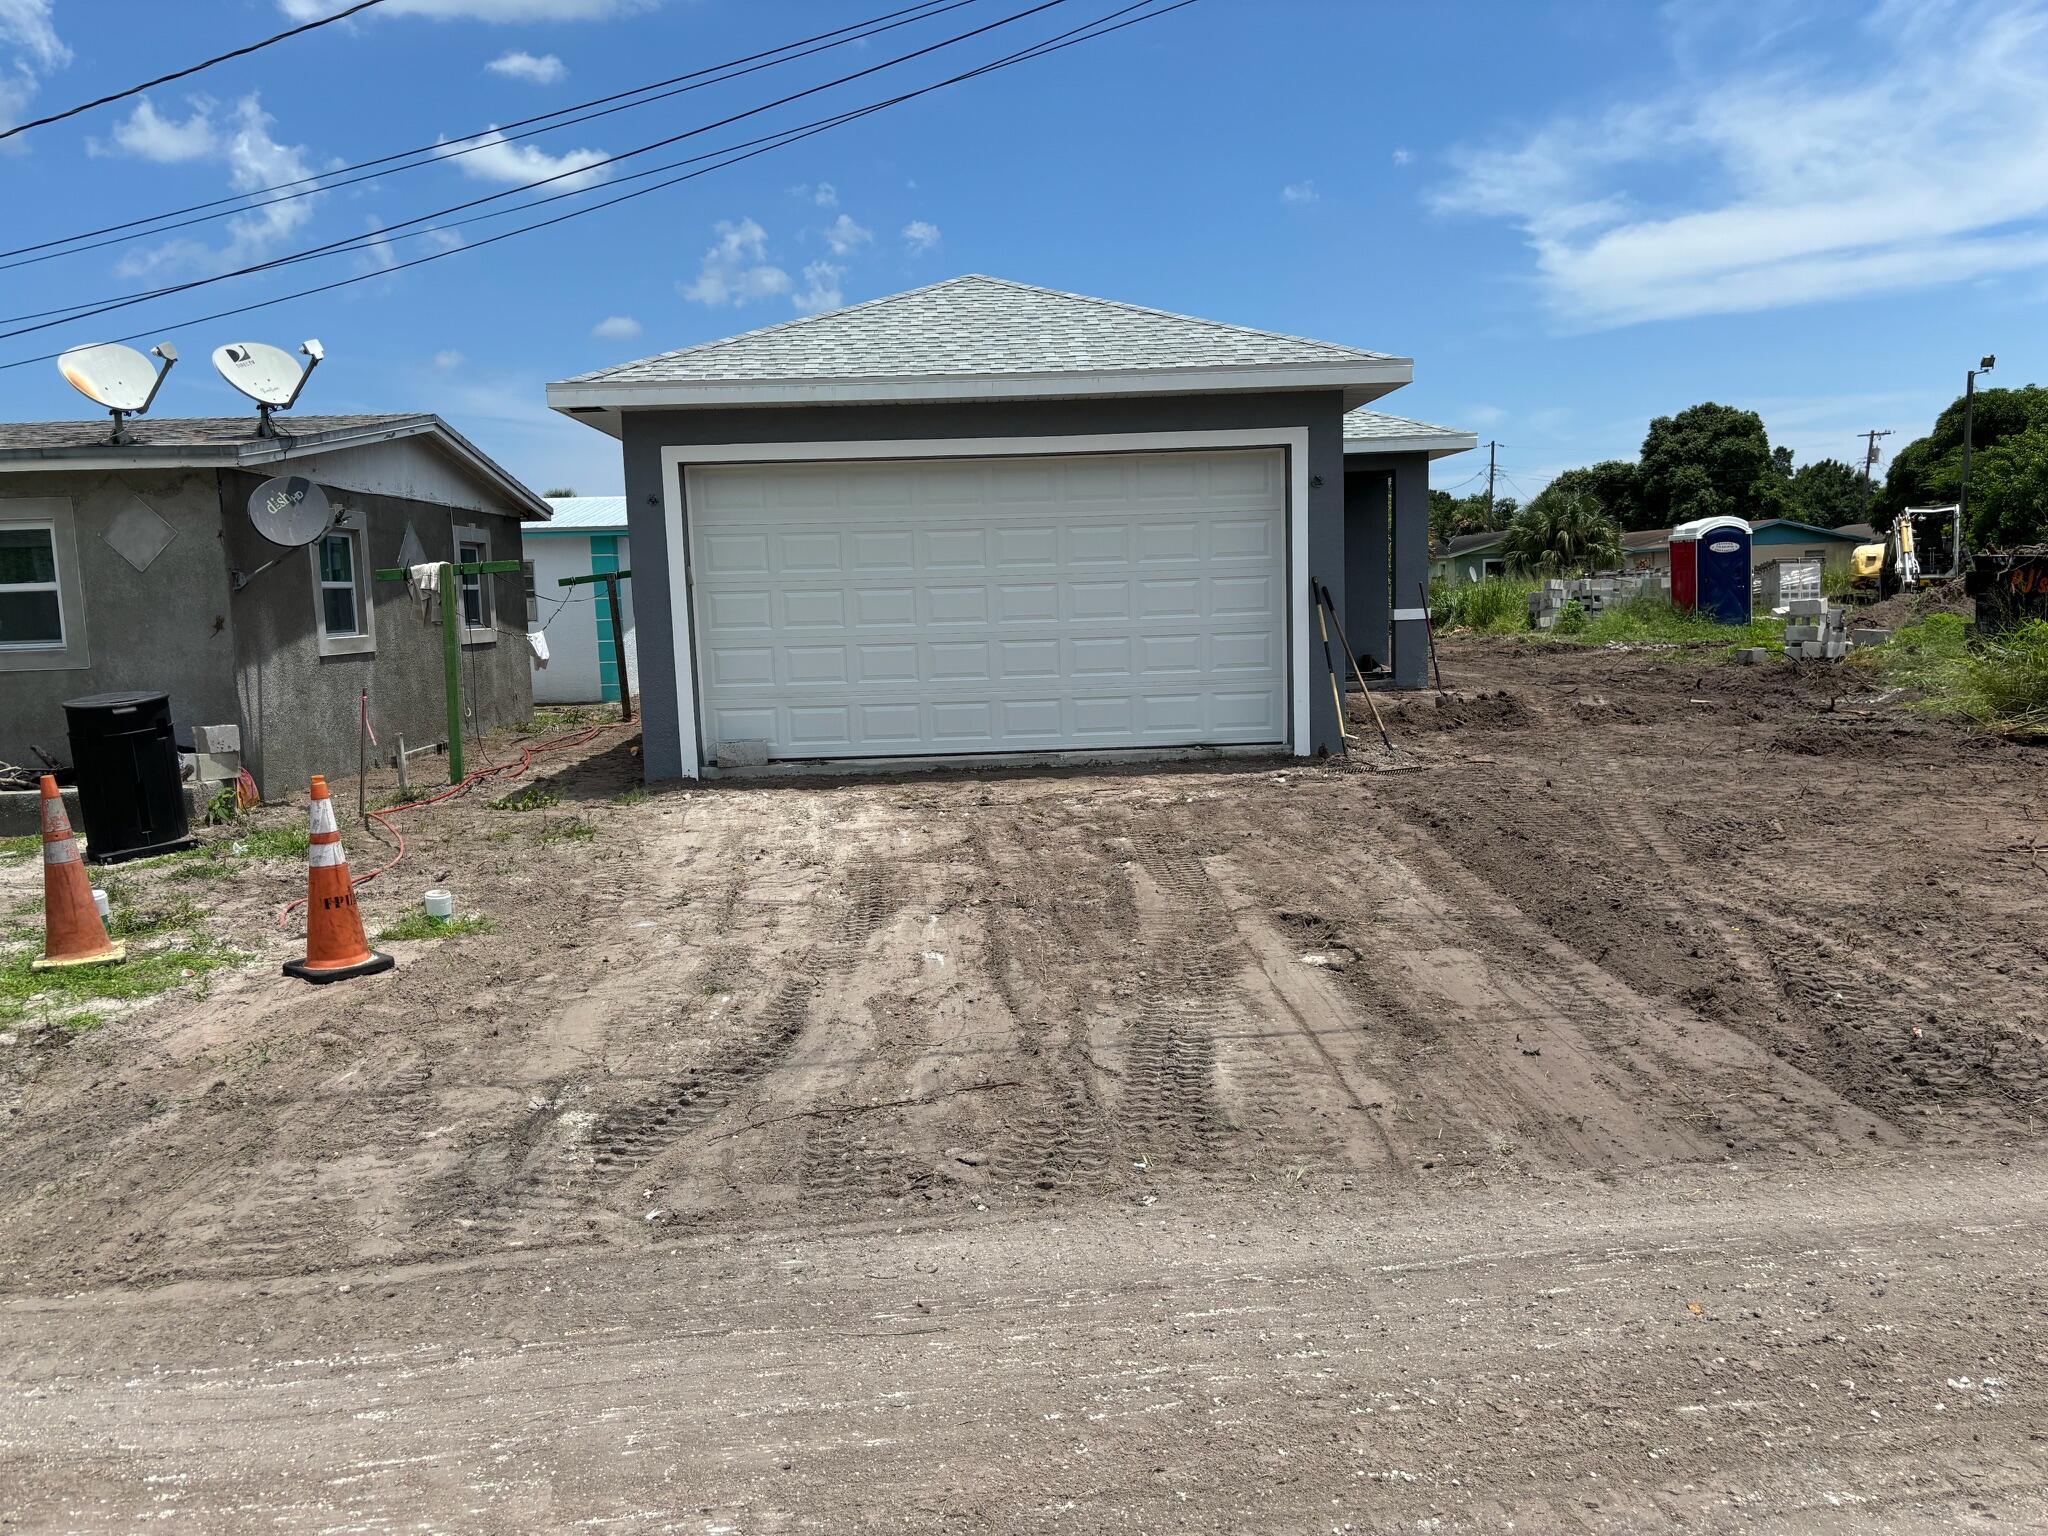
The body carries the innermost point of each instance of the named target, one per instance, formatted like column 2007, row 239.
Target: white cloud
column 542, row 69
column 616, row 328
column 824, row 194
column 477, row 10
column 845, row 236
column 1786, row 180
column 1298, row 193
column 1402, row 157
column 821, row 288
column 449, row 360
column 376, row 253
column 491, row 157
column 920, row 236
column 149, row 135
column 736, row 270
column 27, row 31
column 255, row 160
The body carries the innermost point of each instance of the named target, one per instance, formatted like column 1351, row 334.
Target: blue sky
column 1573, row 216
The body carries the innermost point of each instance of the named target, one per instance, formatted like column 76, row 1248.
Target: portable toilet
column 1710, row 568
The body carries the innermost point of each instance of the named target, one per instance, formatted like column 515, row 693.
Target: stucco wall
column 648, row 432
column 298, row 708
column 167, row 627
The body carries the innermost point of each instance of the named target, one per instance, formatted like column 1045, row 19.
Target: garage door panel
column 999, row 605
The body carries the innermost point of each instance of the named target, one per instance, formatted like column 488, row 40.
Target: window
column 342, row 604
column 42, row 601
column 31, row 612
column 473, row 547
column 532, row 594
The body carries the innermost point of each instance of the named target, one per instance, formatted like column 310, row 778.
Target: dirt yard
column 1633, row 1118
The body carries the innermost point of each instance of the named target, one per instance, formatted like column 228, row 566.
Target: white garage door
column 885, row 608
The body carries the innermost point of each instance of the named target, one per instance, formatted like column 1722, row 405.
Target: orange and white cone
column 335, row 946
column 72, row 931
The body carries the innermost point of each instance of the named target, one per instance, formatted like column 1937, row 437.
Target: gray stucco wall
column 648, row 432
column 298, row 708
column 166, row 627
column 1392, row 493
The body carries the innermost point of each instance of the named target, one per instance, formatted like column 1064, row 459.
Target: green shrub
column 2001, row 683
column 1496, row 606
column 2008, row 680
column 1571, row 619
column 531, row 798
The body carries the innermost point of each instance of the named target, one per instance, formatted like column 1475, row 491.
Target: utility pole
column 1870, row 463
column 1984, row 365
column 1490, row 447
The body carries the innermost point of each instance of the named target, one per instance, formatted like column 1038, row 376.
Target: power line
column 443, row 151
column 85, row 309
column 193, row 69
column 1087, row 32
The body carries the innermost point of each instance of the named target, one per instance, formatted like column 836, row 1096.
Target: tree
column 1611, row 485
column 1928, row 472
column 1561, row 532
column 1708, row 461
column 1826, row 493
column 558, row 490
column 2009, row 491
column 1451, row 516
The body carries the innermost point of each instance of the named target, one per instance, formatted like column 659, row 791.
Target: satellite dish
column 290, row 510
column 117, row 377
column 267, row 374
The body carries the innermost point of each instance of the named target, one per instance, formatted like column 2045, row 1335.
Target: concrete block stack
column 1594, row 594
column 216, row 755
column 1816, row 630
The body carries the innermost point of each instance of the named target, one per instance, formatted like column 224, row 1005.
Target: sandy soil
column 1128, row 1150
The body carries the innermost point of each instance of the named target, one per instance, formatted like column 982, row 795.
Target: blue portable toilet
column 1716, row 549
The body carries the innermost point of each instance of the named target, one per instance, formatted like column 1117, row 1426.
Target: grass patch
column 568, row 718
column 27, row 846
column 138, row 976
column 2001, row 683
column 571, row 831
column 1499, row 605
column 531, row 798
column 1653, row 621
column 269, row 843
column 138, row 920
column 629, row 796
column 418, row 925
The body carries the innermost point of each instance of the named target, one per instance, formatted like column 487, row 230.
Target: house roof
column 1376, row 432
column 1466, row 543
column 974, row 338
column 1856, row 536
column 232, row 442
column 587, row 514
column 1646, row 538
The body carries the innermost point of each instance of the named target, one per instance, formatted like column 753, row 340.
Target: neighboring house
column 1386, row 462
column 1775, row 538
column 134, row 566
column 986, row 518
column 585, row 534
column 1468, row 558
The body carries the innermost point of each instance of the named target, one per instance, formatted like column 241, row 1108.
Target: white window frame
column 353, row 522
column 69, row 653
column 676, row 461
column 485, row 633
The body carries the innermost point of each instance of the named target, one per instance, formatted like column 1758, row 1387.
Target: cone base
column 111, row 956
column 307, row 972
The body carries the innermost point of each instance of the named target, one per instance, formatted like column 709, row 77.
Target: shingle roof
column 979, row 326
column 1465, row 543
column 587, row 513
column 1367, row 426
column 184, row 431
column 232, row 442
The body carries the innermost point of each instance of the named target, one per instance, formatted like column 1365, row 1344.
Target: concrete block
column 1869, row 636
column 742, row 754
column 1799, row 634
column 216, row 767
column 1805, row 607
column 216, row 738
column 1753, row 656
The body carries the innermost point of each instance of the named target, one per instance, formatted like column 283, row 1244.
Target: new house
column 582, row 536
column 134, row 566
column 982, row 518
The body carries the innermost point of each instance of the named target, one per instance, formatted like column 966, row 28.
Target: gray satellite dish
column 290, row 510
column 266, row 374
column 117, row 377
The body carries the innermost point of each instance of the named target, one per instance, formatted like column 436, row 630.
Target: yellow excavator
column 1896, row 564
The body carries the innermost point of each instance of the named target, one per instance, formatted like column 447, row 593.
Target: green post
column 451, row 662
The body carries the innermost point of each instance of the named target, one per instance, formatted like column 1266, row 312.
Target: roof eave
column 1435, row 445
column 594, row 400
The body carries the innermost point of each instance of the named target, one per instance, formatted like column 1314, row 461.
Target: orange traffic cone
column 72, row 931
column 335, row 946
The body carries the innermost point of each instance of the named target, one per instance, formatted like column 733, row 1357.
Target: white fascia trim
column 675, row 460
column 656, row 393
column 1437, row 447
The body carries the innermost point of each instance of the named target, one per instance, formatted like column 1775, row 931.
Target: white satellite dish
column 267, row 374
column 117, row 377
column 290, row 510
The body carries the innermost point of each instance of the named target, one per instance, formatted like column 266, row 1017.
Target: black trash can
column 130, row 796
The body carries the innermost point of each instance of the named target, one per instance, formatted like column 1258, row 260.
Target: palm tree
column 1558, row 534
